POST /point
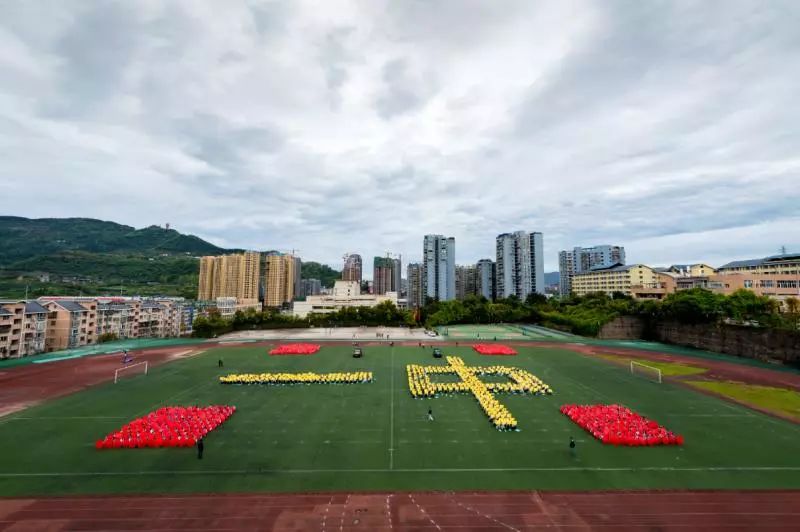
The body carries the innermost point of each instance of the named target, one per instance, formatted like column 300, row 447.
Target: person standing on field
column 200, row 448
column 572, row 451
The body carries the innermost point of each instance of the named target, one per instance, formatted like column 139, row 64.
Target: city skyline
column 603, row 122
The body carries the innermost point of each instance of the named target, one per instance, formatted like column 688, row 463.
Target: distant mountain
column 25, row 238
column 551, row 278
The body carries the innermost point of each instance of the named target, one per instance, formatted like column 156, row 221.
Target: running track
column 421, row 511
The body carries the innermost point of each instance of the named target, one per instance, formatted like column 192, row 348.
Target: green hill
column 72, row 256
column 24, row 238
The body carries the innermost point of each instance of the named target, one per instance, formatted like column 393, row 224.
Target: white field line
column 409, row 470
column 391, row 416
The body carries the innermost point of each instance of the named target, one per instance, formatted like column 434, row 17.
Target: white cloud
column 360, row 126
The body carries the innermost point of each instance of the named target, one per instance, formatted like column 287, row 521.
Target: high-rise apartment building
column 382, row 275
column 298, row 279
column 415, row 296
column 279, row 279
column 581, row 260
column 439, row 267
column 397, row 275
column 486, row 279
column 229, row 276
column 520, row 264
column 352, row 268
column 466, row 281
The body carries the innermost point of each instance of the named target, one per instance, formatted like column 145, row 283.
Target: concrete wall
column 623, row 328
column 747, row 342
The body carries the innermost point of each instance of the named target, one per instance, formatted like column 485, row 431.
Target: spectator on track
column 200, row 448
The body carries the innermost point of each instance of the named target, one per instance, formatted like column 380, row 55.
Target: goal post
column 637, row 368
column 118, row 372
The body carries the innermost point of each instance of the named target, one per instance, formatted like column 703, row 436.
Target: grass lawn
column 668, row 369
column 780, row 400
column 371, row 436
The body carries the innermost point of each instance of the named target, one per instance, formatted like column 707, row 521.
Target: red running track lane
column 424, row 511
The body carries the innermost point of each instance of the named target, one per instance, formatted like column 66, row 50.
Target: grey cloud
column 97, row 49
column 404, row 90
column 334, row 58
column 661, row 125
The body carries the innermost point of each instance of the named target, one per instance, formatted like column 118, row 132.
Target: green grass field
column 502, row 332
column 375, row 436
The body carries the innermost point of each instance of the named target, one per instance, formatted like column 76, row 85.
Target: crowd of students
column 172, row 426
column 297, row 378
column 618, row 425
column 420, row 386
column 494, row 349
column 295, row 349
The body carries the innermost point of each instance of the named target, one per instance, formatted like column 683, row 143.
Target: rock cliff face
column 747, row 342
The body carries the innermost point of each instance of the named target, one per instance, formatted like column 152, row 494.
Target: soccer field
column 370, row 436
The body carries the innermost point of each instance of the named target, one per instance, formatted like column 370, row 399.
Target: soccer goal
column 637, row 368
column 140, row 367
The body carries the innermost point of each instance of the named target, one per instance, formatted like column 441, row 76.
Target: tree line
column 583, row 315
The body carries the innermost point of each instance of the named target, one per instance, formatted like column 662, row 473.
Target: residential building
column 690, row 270
column 34, row 335
column 439, row 267
column 785, row 264
column 69, row 323
column 345, row 294
column 312, row 287
column 634, row 279
column 298, row 280
column 382, row 275
column 566, row 271
column 777, row 276
column 279, row 280
column 520, row 264
column 152, row 319
column 397, row 275
column 466, row 281
column 12, row 324
column 118, row 316
column 581, row 260
column 208, row 273
column 352, row 267
column 415, row 297
column 229, row 276
column 486, row 279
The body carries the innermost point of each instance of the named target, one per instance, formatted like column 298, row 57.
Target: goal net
column 649, row 372
column 134, row 369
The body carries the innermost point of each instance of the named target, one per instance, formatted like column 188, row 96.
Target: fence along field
column 376, row 436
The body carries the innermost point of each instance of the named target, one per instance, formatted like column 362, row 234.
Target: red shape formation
column 295, row 349
column 171, row 426
column 493, row 349
column 618, row 425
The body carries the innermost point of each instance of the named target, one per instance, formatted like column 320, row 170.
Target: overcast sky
column 672, row 128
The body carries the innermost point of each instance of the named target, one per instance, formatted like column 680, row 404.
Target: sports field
column 501, row 332
column 374, row 436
